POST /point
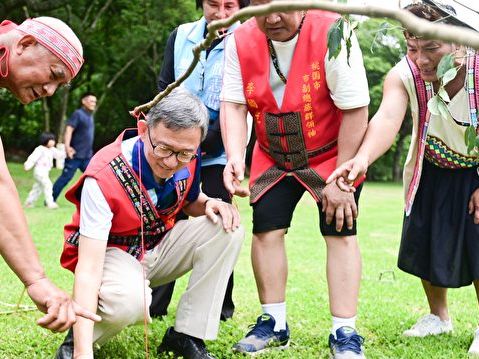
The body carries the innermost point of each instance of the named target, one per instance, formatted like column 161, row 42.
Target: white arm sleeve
column 32, row 159
column 95, row 213
column 347, row 84
column 232, row 90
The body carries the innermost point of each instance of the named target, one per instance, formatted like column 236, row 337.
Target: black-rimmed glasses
column 164, row 152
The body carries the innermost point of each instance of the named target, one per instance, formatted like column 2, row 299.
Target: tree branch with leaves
column 414, row 24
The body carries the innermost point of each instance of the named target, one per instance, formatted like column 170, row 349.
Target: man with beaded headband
column 310, row 113
column 441, row 224
column 35, row 58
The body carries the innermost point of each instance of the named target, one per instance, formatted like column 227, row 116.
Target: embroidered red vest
column 300, row 138
column 125, row 195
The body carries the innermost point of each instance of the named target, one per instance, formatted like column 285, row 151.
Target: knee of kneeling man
column 122, row 305
column 238, row 234
column 235, row 237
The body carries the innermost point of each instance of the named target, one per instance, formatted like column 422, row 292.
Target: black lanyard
column 274, row 56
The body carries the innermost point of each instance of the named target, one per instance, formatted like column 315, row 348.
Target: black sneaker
column 65, row 351
column 183, row 345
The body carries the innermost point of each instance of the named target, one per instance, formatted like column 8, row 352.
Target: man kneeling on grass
column 129, row 195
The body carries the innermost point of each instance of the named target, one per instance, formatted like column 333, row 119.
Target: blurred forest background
column 123, row 48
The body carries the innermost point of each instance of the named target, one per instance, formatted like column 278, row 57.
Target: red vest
column 299, row 138
column 125, row 195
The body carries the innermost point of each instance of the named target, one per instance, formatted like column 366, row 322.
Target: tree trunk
column 46, row 114
column 62, row 116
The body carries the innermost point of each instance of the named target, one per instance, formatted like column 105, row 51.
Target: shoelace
column 259, row 330
column 352, row 343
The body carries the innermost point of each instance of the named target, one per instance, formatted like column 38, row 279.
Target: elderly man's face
column 180, row 140
column 278, row 26
column 35, row 71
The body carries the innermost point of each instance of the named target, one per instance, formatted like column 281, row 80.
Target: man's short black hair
column 242, row 3
column 45, row 137
column 86, row 94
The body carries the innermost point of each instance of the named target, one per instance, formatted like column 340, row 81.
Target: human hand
column 229, row 214
column 70, row 151
column 339, row 204
column 233, row 174
column 473, row 206
column 348, row 172
column 60, row 309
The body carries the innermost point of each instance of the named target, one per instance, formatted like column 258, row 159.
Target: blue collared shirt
column 162, row 195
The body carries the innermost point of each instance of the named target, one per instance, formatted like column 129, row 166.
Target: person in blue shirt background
column 78, row 140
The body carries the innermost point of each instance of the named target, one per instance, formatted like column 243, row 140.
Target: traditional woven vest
column 300, row 138
column 127, row 198
column 428, row 147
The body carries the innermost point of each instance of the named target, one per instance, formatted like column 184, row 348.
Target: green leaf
column 442, row 93
column 433, row 105
column 335, row 35
column 383, row 28
column 476, row 143
column 446, row 63
column 470, row 138
column 449, row 76
column 443, row 110
column 348, row 49
column 379, row 34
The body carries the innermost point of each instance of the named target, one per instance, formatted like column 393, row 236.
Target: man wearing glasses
column 150, row 173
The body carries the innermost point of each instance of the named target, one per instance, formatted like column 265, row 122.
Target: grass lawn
column 390, row 300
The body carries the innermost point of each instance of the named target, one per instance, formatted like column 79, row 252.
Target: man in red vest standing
column 310, row 114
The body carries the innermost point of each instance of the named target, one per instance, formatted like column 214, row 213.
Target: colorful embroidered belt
column 440, row 155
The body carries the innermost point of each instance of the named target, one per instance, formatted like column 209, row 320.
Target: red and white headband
column 54, row 41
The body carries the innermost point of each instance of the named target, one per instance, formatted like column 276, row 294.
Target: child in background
column 41, row 160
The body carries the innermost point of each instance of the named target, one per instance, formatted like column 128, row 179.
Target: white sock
column 342, row 322
column 278, row 311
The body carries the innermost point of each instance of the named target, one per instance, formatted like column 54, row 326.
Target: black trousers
column 212, row 185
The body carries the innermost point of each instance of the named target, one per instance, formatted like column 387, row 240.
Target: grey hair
column 179, row 110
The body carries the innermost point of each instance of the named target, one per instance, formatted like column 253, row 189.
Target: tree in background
column 123, row 47
column 383, row 45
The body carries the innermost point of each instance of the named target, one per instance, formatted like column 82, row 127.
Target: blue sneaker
column 262, row 337
column 347, row 344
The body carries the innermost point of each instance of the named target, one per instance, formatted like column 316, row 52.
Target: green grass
column 387, row 306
